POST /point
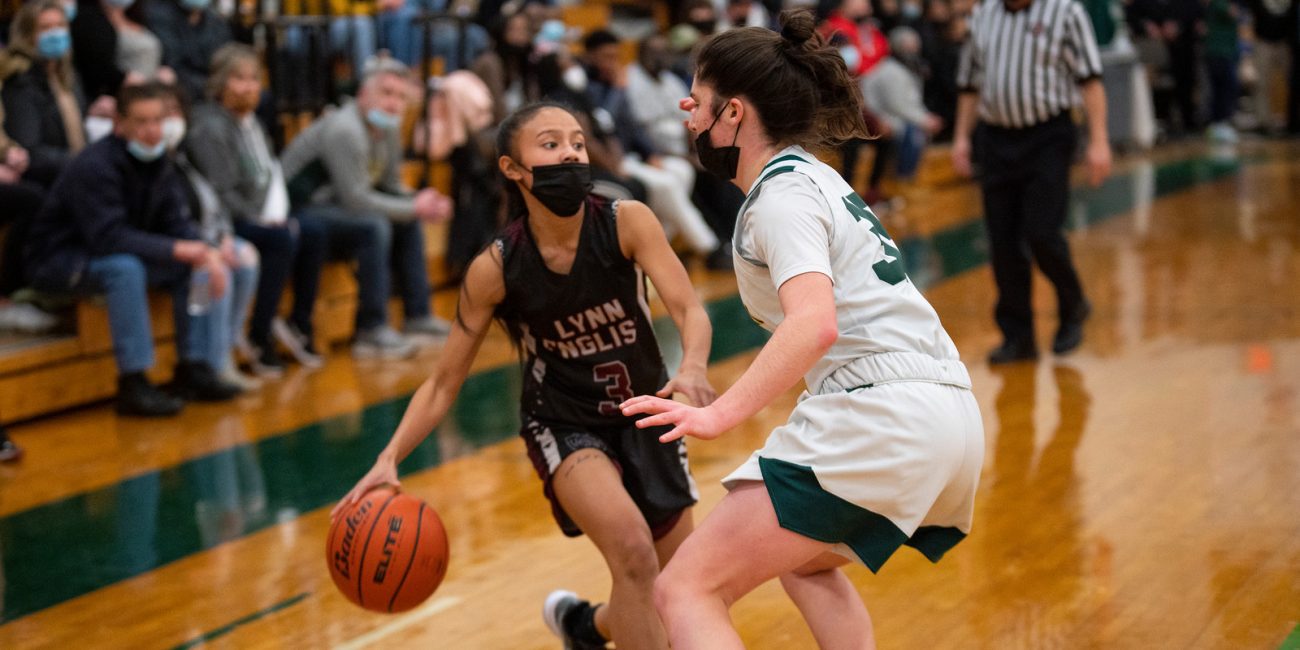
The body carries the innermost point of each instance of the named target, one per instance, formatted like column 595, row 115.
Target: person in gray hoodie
column 344, row 172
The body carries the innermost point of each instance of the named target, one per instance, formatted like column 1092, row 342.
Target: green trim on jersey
column 787, row 157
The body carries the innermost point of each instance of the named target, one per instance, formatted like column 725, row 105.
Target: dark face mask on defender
column 719, row 161
column 562, row 187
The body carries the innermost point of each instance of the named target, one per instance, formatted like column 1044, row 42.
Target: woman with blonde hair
column 42, row 98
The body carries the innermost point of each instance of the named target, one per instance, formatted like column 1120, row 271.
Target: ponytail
column 799, row 86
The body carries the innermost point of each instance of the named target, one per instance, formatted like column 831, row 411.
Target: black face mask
column 562, row 188
column 719, row 161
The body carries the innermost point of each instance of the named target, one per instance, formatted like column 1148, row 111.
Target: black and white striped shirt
column 1027, row 65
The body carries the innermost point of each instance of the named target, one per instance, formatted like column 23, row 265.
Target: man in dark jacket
column 116, row 223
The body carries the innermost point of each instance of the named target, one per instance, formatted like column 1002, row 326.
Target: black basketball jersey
column 586, row 338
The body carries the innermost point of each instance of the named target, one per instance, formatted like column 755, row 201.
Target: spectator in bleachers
column 42, row 99
column 190, row 32
column 1273, row 21
column 852, row 21
column 233, row 152
column 205, row 208
column 701, row 15
column 95, row 56
column 848, row 25
column 892, row 92
column 1174, row 24
column 1221, row 61
column 507, row 67
column 116, row 223
column 20, row 201
column 742, row 13
column 888, row 13
column 942, row 35
column 139, row 52
column 668, row 178
column 347, row 164
column 401, row 34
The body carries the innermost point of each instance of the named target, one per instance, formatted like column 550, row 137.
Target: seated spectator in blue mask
column 344, row 170
column 116, row 223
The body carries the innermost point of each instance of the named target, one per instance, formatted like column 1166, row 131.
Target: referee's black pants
column 1025, row 179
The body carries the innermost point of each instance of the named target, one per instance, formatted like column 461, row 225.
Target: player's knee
column 632, row 558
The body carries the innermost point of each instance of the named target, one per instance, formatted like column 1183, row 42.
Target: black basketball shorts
column 656, row 475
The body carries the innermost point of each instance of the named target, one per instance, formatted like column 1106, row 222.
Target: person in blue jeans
column 400, row 34
column 344, row 179
column 117, row 224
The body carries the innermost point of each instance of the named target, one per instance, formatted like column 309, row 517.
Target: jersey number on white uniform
column 891, row 268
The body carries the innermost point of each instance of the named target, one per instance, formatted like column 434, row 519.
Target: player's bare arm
column 482, row 290
column 808, row 331
column 642, row 240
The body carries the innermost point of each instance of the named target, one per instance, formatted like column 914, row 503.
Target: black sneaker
column 1070, row 335
column 136, row 396
column 1011, row 352
column 559, row 607
column 196, row 381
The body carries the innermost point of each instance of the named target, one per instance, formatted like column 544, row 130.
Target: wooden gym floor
column 1143, row 492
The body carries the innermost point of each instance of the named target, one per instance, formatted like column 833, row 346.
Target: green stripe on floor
column 1292, row 642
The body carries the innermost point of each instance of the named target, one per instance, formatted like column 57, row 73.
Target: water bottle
column 200, row 298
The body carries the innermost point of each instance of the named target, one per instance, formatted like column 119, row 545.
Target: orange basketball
column 388, row 552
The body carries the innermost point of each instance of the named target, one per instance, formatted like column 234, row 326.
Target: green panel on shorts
column 804, row 507
column 934, row 541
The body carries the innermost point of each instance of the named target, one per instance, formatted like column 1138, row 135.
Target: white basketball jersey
column 800, row 217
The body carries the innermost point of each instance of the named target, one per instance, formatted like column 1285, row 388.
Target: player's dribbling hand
column 694, row 385
column 384, row 473
column 702, row 423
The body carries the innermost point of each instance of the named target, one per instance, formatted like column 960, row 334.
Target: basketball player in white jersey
column 884, row 448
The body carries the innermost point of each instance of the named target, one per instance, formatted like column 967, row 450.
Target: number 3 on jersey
column 618, row 385
column 891, row 268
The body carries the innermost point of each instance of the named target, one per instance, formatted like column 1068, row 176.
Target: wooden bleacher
column 40, row 375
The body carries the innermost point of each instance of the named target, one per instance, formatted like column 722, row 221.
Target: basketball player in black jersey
column 567, row 279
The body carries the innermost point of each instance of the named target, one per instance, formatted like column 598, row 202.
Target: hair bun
column 797, row 26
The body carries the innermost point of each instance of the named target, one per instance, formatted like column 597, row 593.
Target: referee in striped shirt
column 1023, row 69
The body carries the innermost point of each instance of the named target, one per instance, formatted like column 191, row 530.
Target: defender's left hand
column 703, row 423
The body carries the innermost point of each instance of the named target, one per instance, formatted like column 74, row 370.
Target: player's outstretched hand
column 384, row 473
column 703, row 423
column 694, row 385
